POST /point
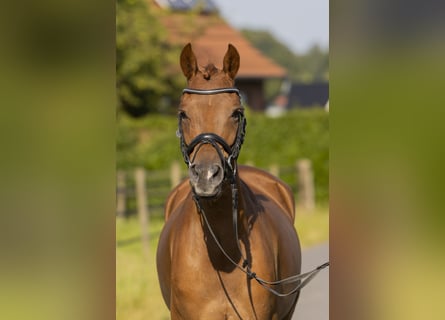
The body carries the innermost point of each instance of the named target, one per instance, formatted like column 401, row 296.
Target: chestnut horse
column 224, row 222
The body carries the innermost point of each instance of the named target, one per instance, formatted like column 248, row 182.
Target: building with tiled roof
column 209, row 35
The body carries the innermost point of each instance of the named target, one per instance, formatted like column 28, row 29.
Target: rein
column 230, row 172
column 307, row 276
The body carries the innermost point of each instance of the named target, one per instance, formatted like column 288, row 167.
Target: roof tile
column 210, row 36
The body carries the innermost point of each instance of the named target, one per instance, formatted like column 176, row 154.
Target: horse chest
column 219, row 294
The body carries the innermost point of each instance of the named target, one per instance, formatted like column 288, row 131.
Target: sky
column 297, row 23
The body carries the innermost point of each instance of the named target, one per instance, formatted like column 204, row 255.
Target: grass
column 137, row 291
column 312, row 226
column 138, row 295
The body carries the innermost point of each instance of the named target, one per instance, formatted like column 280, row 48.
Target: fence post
column 142, row 204
column 175, row 174
column 306, row 194
column 121, row 195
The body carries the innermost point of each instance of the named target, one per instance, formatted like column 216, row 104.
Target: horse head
column 211, row 122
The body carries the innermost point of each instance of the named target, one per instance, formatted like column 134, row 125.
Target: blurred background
column 58, row 142
column 284, row 83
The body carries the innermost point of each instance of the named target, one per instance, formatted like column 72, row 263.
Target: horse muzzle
column 206, row 179
column 207, row 163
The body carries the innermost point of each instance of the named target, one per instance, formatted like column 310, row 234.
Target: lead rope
column 308, row 276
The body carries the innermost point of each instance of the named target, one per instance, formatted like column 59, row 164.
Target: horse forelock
column 210, row 77
column 209, row 71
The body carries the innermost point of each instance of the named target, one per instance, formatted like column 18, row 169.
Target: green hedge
column 151, row 142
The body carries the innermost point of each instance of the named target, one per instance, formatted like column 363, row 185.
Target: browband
column 211, row 91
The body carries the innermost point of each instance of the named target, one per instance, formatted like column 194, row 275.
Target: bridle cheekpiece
column 214, row 139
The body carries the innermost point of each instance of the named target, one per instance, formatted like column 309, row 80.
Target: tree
column 145, row 79
column 316, row 62
column 308, row 67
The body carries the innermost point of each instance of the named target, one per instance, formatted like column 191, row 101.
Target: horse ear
column 231, row 61
column 189, row 65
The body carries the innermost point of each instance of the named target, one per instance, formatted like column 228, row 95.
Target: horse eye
column 238, row 114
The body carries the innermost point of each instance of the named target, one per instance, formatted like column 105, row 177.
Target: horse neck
column 219, row 212
column 220, row 218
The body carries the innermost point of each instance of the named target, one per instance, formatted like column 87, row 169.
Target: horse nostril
column 214, row 172
column 205, row 172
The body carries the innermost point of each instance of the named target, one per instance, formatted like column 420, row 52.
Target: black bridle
column 215, row 140
column 230, row 172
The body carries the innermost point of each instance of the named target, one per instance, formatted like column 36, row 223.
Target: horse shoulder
column 263, row 183
column 277, row 255
column 173, row 221
column 176, row 198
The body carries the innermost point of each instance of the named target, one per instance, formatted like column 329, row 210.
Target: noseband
column 214, row 139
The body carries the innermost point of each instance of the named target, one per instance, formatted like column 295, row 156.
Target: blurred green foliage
column 302, row 67
column 148, row 141
column 144, row 59
column 282, row 141
column 151, row 142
